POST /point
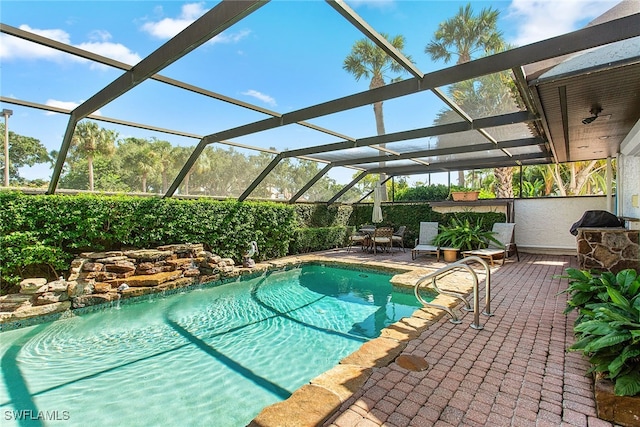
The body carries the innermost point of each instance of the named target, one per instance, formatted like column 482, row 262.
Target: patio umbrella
column 377, row 209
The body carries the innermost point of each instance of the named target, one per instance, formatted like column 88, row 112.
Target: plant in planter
column 463, row 235
column 464, row 195
column 608, row 325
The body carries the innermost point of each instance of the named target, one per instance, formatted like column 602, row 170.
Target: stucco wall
column 629, row 171
column 542, row 225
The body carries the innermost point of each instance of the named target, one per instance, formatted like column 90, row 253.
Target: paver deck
column 514, row 372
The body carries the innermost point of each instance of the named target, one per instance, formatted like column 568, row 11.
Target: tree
column 23, row 151
column 139, row 160
column 462, row 36
column 465, row 34
column 370, row 61
column 164, row 152
column 89, row 140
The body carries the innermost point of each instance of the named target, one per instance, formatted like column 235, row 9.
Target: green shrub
column 463, row 234
column 73, row 224
column 321, row 215
column 431, row 193
column 318, row 239
column 22, row 250
column 608, row 324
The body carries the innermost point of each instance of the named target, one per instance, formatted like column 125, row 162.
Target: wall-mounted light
column 595, row 111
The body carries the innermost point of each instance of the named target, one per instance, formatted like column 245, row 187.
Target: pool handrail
column 462, row 264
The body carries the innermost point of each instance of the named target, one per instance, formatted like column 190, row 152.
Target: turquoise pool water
column 213, row 356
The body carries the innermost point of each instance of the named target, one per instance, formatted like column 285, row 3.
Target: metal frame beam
column 493, row 121
column 576, row 41
column 355, row 20
column 526, row 142
column 459, row 165
column 35, row 38
column 261, row 177
column 212, row 23
column 309, row 184
column 347, row 187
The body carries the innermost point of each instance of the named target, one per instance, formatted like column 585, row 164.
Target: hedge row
column 78, row 223
column 54, row 228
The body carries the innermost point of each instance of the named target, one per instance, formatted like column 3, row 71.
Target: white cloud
column 16, row 48
column 13, row 48
column 231, row 37
column 541, row 19
column 169, row 27
column 115, row 51
column 166, row 28
column 261, row 96
column 67, row 105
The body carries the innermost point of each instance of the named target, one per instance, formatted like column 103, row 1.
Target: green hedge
column 78, row 223
column 321, row 215
column 49, row 230
column 318, row 239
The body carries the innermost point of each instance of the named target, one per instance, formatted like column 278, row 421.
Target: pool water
column 214, row 356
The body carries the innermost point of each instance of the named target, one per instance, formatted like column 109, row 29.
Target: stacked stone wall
column 608, row 249
column 103, row 277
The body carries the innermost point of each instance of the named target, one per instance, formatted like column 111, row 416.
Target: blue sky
column 285, row 56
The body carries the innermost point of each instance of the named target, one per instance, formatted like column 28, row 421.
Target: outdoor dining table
column 368, row 235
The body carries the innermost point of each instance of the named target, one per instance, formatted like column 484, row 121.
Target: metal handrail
column 462, row 264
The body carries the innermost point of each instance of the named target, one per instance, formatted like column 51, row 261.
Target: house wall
column 542, row 225
column 629, row 189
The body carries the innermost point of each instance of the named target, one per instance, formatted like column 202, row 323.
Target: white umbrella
column 377, row 209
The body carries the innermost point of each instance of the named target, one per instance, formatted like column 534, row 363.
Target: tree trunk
column 144, row 182
column 165, row 181
column 504, row 182
column 90, row 164
column 378, row 81
column 185, row 182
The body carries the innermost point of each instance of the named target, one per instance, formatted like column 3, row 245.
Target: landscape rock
column 15, row 298
column 149, row 280
column 92, row 266
column 98, row 255
column 50, row 298
column 57, row 286
column 149, row 254
column 31, row 286
column 29, row 311
column 102, row 288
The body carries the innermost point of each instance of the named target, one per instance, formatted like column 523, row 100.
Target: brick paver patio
column 514, row 372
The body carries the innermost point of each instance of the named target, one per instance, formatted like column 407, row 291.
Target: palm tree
column 139, row 159
column 370, row 61
column 463, row 35
column 89, row 140
column 164, row 153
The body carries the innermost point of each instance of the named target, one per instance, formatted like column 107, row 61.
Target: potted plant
column 608, row 333
column 462, row 235
column 464, row 195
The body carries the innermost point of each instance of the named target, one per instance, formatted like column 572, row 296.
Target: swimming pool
column 214, row 356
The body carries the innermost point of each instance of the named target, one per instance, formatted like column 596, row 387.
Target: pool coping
column 315, row 402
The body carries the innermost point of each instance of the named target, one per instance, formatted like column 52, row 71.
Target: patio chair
column 503, row 232
column 428, row 232
column 382, row 237
column 398, row 237
column 361, row 236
